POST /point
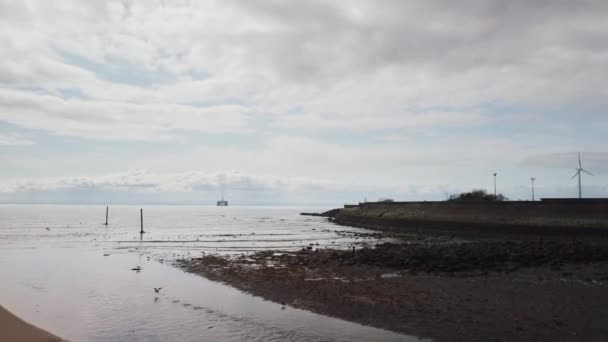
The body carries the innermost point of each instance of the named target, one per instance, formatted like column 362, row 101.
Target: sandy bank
column 461, row 296
column 14, row 329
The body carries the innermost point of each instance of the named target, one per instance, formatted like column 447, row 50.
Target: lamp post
column 532, row 180
column 495, row 184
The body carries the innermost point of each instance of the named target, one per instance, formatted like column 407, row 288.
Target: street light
column 495, row 184
column 532, row 180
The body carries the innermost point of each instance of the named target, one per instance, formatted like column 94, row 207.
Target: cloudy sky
column 299, row 102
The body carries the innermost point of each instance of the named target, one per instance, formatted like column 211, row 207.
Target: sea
column 64, row 270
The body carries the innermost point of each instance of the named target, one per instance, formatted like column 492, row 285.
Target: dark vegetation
column 477, row 196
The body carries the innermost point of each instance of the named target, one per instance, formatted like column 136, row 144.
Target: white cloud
column 147, row 181
column 14, row 139
column 145, row 187
column 116, row 120
column 354, row 122
column 410, row 89
column 353, row 65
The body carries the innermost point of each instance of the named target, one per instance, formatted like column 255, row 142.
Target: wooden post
column 141, row 217
column 106, row 215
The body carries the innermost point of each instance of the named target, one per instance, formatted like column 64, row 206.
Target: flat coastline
column 462, row 297
column 474, row 279
column 13, row 328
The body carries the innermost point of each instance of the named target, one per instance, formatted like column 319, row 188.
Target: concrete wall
column 521, row 218
column 586, row 209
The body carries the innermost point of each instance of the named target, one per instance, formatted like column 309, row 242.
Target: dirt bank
column 12, row 328
column 513, row 219
column 452, row 292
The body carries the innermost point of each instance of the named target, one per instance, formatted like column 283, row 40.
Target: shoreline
column 446, row 292
column 13, row 328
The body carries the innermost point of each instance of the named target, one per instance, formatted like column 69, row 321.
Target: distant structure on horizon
column 222, row 202
column 578, row 173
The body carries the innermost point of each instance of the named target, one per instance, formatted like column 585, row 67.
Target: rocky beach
column 445, row 287
column 482, row 291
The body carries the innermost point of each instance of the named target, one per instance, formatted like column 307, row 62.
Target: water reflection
column 91, row 283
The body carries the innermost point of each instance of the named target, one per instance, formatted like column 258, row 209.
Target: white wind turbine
column 578, row 173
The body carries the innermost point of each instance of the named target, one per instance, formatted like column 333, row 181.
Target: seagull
column 136, row 269
column 157, row 289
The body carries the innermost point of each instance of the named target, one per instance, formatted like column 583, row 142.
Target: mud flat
column 476, row 291
column 12, row 328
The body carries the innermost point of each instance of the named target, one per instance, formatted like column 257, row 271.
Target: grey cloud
column 372, row 61
column 319, row 39
column 313, row 38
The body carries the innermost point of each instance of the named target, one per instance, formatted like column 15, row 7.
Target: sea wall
column 544, row 218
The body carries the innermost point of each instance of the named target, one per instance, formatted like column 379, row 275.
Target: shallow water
column 171, row 229
column 62, row 269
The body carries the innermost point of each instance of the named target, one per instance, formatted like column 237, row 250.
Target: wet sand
column 533, row 293
column 13, row 328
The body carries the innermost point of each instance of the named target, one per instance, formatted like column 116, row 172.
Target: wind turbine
column 578, row 173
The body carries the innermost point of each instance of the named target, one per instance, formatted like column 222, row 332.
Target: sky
column 300, row 102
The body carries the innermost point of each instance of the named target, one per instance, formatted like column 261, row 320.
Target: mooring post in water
column 106, row 215
column 141, row 219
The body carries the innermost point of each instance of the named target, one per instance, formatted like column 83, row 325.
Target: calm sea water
column 64, row 270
